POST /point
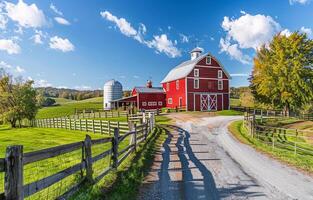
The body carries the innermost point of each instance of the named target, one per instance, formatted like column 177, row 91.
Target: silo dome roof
column 112, row 82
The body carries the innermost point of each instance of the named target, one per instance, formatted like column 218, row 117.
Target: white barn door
column 208, row 102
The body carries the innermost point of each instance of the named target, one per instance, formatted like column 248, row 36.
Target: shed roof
column 149, row 90
column 183, row 69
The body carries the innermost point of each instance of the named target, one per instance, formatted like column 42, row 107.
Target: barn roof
column 183, row 69
column 149, row 90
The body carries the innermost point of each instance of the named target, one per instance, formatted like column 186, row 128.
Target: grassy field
column 39, row 138
column 228, row 113
column 68, row 107
column 303, row 162
column 234, row 102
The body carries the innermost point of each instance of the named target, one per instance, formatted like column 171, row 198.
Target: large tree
column 17, row 100
column 283, row 72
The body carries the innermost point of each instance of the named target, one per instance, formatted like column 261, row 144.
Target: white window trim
column 160, row 103
column 220, row 86
column 206, row 60
column 170, row 101
column 177, row 84
column 144, row 103
column 194, row 83
column 196, row 72
column 219, row 74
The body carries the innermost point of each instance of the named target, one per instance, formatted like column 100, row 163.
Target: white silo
column 112, row 90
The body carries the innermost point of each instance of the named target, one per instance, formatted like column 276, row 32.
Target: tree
column 17, row 100
column 247, row 99
column 282, row 76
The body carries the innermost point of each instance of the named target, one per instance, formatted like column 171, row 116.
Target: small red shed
column 199, row 84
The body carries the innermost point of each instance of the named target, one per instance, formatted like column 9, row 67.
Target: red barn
column 144, row 98
column 199, row 84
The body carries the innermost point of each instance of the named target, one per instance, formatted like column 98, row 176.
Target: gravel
column 201, row 160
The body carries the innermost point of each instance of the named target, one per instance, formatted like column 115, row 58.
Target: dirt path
column 200, row 160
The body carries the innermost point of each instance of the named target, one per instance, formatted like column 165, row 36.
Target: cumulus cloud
column 61, row 44
column 19, row 69
column 5, row 65
column 285, row 32
column 37, row 38
column 25, row 15
column 303, row 2
column 9, row 46
column 54, row 9
column 247, row 32
column 184, row 38
column 42, row 83
column 307, row 31
column 62, row 21
column 160, row 43
column 3, row 21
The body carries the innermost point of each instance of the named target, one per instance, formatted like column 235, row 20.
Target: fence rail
column 298, row 141
column 89, row 166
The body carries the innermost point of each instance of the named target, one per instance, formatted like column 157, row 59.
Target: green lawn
column 303, row 162
column 61, row 101
column 39, row 138
column 68, row 108
column 234, row 102
column 229, row 112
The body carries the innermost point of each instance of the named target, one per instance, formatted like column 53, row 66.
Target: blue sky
column 81, row 44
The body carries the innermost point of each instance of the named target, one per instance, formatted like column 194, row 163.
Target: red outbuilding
column 144, row 98
column 199, row 84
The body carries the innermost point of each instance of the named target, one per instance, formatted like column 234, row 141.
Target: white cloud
column 234, row 52
column 42, row 83
column 62, row 87
column 286, row 32
column 83, row 87
column 136, row 77
column 62, row 21
column 37, row 38
column 3, row 21
column 239, row 75
column 160, row 43
column 163, row 45
column 54, row 9
column 308, row 31
column 9, row 46
column 184, row 38
column 5, row 65
column 61, row 44
column 26, row 15
column 303, row 2
column 19, row 69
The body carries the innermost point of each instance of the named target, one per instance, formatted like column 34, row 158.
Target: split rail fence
column 84, row 114
column 58, row 172
column 298, row 141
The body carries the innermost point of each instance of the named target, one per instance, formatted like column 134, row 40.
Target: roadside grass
column 124, row 183
column 278, row 121
column 234, row 102
column 302, row 162
column 228, row 113
column 162, row 119
column 68, row 108
column 39, row 138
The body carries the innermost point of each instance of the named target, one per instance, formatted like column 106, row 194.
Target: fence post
column 13, row 186
column 146, row 130
column 273, row 140
column 135, row 136
column 88, row 159
column 109, row 127
column 115, row 148
column 93, row 125
column 100, row 126
column 80, row 124
column 295, row 148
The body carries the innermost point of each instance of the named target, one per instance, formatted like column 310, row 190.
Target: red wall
column 175, row 94
column 151, row 97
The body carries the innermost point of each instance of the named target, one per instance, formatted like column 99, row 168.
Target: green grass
column 61, row 101
column 303, row 162
column 162, row 119
column 278, row 121
column 68, row 108
column 124, row 183
column 234, row 102
column 39, row 138
column 229, row 112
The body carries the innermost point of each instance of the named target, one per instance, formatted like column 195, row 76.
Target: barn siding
column 151, row 97
column 175, row 94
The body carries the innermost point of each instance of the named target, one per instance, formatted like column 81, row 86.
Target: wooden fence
column 83, row 114
column 88, row 125
column 298, row 141
column 20, row 183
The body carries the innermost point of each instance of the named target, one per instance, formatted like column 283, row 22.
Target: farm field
column 234, row 102
column 68, row 107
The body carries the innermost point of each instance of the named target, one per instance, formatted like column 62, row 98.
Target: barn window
column 208, row 60
column 160, row 103
column 144, row 103
column 220, row 85
column 168, row 86
column 196, row 84
column 177, row 85
column 196, row 72
column 220, row 74
column 169, row 101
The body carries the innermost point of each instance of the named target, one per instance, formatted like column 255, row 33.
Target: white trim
column 220, row 74
column 206, row 59
column 168, row 86
column 218, row 85
column 224, row 79
column 194, row 72
column 208, row 92
column 194, row 83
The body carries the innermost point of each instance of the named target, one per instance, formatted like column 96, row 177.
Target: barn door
column 204, row 102
column 212, row 102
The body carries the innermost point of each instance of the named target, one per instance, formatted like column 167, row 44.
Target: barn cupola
column 195, row 53
column 149, row 84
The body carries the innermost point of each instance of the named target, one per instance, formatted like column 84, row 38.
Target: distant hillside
column 71, row 94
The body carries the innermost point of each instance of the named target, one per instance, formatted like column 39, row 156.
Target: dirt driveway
column 201, row 160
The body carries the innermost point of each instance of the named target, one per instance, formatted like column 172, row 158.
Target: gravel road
column 201, row 160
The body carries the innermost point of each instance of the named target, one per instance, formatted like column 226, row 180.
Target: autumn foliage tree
column 282, row 76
